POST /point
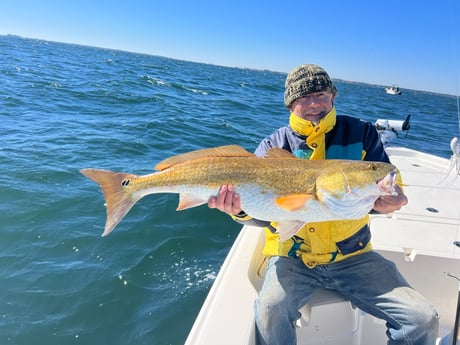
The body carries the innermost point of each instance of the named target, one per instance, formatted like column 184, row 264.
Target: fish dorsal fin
column 293, row 202
column 221, row 151
column 276, row 152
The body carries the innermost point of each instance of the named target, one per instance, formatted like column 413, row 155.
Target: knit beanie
column 304, row 80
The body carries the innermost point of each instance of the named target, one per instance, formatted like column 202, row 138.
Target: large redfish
column 278, row 187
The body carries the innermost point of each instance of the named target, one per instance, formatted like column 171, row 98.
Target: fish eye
column 373, row 167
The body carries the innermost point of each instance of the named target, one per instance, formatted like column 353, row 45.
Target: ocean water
column 66, row 107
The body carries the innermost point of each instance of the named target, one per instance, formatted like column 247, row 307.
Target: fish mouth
column 387, row 184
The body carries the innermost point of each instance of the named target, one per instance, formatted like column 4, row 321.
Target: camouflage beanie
column 304, row 80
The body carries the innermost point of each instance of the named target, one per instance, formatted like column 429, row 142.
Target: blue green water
column 66, row 107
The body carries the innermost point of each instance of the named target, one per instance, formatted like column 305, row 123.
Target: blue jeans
column 369, row 281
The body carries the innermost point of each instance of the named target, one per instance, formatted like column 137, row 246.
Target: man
column 335, row 254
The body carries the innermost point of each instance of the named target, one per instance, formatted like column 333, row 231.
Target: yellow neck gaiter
column 315, row 134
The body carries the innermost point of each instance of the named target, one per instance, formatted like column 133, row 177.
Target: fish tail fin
column 118, row 198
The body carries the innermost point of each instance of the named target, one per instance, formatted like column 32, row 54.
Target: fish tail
column 118, row 198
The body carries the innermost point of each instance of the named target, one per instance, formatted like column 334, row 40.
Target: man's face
column 314, row 106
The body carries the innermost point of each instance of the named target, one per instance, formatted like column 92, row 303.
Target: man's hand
column 226, row 200
column 390, row 203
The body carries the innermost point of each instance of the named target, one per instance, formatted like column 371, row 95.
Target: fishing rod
column 455, row 143
column 455, row 146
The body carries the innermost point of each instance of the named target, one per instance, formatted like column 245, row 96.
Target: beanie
column 304, row 80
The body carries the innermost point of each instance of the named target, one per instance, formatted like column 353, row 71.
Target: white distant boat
column 393, row 90
column 423, row 239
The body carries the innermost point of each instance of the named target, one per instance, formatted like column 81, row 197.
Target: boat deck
column 419, row 239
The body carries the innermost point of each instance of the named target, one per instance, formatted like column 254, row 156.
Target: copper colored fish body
column 278, row 187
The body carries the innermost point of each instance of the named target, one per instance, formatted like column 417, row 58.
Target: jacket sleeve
column 375, row 150
column 373, row 146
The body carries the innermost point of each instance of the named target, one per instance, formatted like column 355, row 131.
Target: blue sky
column 415, row 44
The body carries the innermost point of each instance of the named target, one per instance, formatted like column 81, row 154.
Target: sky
column 414, row 44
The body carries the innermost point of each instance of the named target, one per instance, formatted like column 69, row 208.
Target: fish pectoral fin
column 189, row 201
column 293, row 202
column 288, row 229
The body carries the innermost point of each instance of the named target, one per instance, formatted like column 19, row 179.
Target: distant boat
column 393, row 90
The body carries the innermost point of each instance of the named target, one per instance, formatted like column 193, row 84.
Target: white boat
column 393, row 90
column 422, row 239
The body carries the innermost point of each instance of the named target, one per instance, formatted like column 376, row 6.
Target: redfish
column 278, row 187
